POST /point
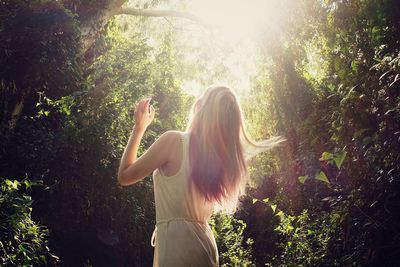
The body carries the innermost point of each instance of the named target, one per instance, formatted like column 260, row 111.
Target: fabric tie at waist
column 154, row 235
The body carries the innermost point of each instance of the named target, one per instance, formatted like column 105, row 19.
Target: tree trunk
column 93, row 17
column 16, row 112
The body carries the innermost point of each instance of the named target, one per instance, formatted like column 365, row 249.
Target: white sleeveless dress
column 182, row 235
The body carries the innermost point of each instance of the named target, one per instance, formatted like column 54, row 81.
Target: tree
column 55, row 45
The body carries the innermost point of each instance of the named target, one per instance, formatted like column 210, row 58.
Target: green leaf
column 266, row 200
column 322, row 177
column 339, row 158
column 28, row 184
column 326, row 156
column 303, row 178
column 21, row 248
column 255, row 200
column 13, row 184
column 273, row 207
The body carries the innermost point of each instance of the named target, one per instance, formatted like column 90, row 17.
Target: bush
column 306, row 239
column 22, row 240
column 233, row 250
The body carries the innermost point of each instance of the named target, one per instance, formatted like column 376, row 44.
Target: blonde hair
column 219, row 147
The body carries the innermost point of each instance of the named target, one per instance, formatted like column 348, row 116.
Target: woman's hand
column 144, row 114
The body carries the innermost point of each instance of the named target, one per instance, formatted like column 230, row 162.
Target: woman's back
column 182, row 236
column 214, row 174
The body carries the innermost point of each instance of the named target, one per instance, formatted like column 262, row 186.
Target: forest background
column 324, row 74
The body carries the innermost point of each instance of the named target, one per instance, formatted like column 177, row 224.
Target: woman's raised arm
column 131, row 169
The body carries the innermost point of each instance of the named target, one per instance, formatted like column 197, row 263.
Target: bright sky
column 238, row 24
column 226, row 53
column 237, row 18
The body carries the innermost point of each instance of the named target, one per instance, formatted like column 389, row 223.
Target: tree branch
column 161, row 13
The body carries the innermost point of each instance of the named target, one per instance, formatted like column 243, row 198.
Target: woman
column 195, row 173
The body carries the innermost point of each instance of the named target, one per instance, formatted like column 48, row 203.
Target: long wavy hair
column 220, row 146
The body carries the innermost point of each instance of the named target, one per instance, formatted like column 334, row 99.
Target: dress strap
column 185, row 151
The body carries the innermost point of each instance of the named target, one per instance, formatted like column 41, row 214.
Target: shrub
column 233, row 250
column 22, row 240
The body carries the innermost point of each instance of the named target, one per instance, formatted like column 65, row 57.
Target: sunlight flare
column 238, row 18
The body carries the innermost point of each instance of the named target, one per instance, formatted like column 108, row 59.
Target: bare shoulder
column 173, row 133
column 171, row 138
column 173, row 149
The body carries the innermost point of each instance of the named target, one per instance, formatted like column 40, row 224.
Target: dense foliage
column 328, row 81
column 233, row 249
column 23, row 241
column 335, row 95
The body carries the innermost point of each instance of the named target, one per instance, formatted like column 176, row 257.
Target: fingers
column 152, row 113
column 138, row 107
column 143, row 105
column 146, row 102
column 147, row 105
column 144, row 113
